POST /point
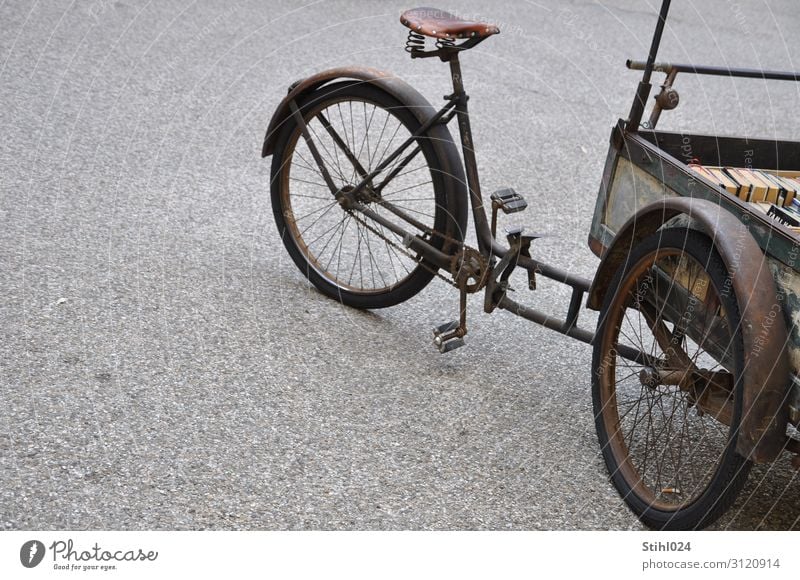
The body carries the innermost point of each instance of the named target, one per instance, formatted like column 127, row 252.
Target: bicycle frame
column 488, row 244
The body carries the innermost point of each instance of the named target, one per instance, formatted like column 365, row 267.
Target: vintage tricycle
column 696, row 351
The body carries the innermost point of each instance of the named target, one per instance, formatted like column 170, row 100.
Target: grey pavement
column 163, row 365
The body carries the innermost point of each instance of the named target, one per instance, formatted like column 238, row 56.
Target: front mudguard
column 438, row 134
column 766, row 374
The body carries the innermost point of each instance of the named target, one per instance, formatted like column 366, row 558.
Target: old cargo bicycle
column 695, row 354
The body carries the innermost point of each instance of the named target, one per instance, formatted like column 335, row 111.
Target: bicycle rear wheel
column 344, row 253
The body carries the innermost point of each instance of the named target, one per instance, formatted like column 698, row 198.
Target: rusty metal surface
column 282, row 112
column 631, row 190
column 794, row 402
column 634, row 173
column 788, row 283
column 766, row 360
column 664, row 156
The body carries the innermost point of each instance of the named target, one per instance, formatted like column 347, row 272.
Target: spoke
column 342, row 225
column 373, row 261
column 309, row 183
column 341, row 238
column 328, row 242
column 318, row 159
column 324, row 121
column 366, row 136
column 633, row 405
column 417, row 224
column 412, row 171
column 339, row 144
column 369, row 125
column 316, row 170
column 660, row 314
column 305, row 164
column 649, row 417
column 391, row 250
column 353, row 132
column 407, row 188
column 312, row 224
column 328, row 156
column 629, row 375
column 635, row 422
column 380, row 138
column 638, row 341
column 344, row 131
column 398, row 167
column 634, row 342
column 706, row 332
column 383, row 154
column 317, row 155
column 677, row 462
column 333, row 227
column 665, row 429
column 684, row 434
column 309, row 214
column 394, row 201
column 639, row 320
column 344, row 125
column 357, row 257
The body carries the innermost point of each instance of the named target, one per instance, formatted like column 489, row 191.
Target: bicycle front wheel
column 345, row 254
column 667, row 423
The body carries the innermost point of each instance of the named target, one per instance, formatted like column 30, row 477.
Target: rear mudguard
column 766, row 375
column 439, row 135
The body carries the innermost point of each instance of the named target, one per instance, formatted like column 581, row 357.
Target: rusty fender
column 765, row 378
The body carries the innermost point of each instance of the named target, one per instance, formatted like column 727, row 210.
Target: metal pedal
column 508, row 200
column 445, row 328
column 448, row 337
column 451, row 345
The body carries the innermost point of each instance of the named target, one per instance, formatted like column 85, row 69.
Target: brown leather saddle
column 441, row 24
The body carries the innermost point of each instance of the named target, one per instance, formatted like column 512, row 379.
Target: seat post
column 482, row 229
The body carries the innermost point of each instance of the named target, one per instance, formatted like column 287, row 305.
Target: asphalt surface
column 163, row 365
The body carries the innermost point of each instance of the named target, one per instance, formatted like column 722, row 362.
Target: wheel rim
column 668, row 440
column 348, row 249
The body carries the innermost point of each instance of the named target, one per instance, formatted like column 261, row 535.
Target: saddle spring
column 445, row 42
column 415, row 42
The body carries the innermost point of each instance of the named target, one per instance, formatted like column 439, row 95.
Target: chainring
column 470, row 269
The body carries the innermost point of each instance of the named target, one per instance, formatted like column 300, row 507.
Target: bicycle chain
column 404, row 250
column 470, row 284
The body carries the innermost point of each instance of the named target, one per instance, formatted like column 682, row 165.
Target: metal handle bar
column 721, row 71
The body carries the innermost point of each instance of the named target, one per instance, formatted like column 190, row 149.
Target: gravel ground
column 163, row 365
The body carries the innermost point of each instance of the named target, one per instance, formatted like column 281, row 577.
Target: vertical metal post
column 470, row 162
column 643, row 90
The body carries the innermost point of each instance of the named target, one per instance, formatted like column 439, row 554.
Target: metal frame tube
column 482, row 228
column 571, row 331
column 721, row 71
column 416, row 243
column 643, row 90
